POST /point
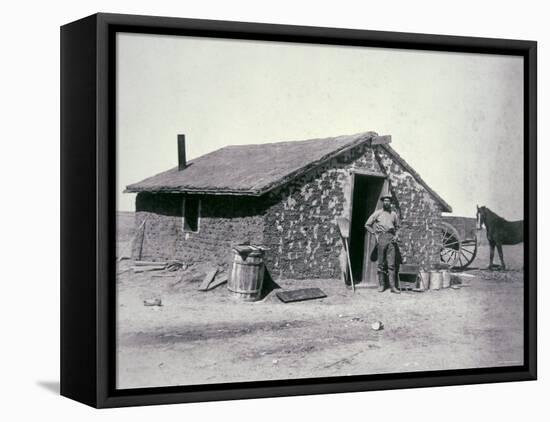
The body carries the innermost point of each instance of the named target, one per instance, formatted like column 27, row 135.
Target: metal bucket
column 446, row 278
column 247, row 275
column 423, row 281
column 436, row 280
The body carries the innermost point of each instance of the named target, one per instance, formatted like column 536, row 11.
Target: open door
column 366, row 194
column 370, row 271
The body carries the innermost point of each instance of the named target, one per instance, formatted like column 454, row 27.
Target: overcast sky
column 456, row 118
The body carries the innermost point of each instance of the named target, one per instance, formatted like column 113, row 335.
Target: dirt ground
column 211, row 337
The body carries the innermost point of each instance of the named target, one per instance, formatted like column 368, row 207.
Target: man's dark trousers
column 386, row 254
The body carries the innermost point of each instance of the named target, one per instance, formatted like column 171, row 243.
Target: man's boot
column 381, row 282
column 393, row 288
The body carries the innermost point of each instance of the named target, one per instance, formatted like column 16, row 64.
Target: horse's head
column 480, row 216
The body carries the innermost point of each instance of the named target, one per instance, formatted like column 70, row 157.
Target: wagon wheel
column 450, row 245
column 468, row 251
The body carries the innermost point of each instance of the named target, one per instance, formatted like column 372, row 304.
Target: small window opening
column 191, row 214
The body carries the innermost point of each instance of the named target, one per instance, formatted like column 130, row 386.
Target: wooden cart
column 458, row 246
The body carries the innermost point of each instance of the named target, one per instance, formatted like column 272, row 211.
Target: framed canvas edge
column 78, row 284
column 337, row 386
column 106, row 395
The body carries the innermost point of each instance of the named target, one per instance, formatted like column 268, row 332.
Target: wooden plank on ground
column 149, row 263
column 217, row 281
column 301, row 294
column 208, row 279
column 148, row 268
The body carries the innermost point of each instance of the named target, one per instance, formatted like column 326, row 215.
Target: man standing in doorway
column 384, row 225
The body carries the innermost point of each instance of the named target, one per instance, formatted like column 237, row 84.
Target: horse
column 499, row 232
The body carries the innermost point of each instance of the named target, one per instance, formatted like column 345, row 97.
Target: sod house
column 286, row 196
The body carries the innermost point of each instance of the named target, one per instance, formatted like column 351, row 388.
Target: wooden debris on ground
column 152, row 302
column 142, row 269
column 344, row 361
column 179, row 280
column 377, row 326
column 124, row 271
column 208, row 279
column 143, row 266
column 218, row 280
column 175, row 266
column 148, row 263
column 301, row 294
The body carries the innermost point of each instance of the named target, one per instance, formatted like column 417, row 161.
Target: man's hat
column 386, row 194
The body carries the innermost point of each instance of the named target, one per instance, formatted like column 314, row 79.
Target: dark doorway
column 366, row 192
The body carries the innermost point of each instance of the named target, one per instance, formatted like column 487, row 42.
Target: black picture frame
column 88, row 209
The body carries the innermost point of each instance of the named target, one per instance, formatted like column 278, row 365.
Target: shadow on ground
column 51, row 386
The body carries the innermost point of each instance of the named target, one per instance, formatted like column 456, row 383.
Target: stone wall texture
column 301, row 230
column 419, row 211
column 297, row 222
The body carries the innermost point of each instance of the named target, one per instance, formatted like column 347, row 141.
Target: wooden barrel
column 436, row 280
column 247, row 275
column 446, row 274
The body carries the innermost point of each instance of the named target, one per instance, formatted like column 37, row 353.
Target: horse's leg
column 491, row 255
column 501, row 255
